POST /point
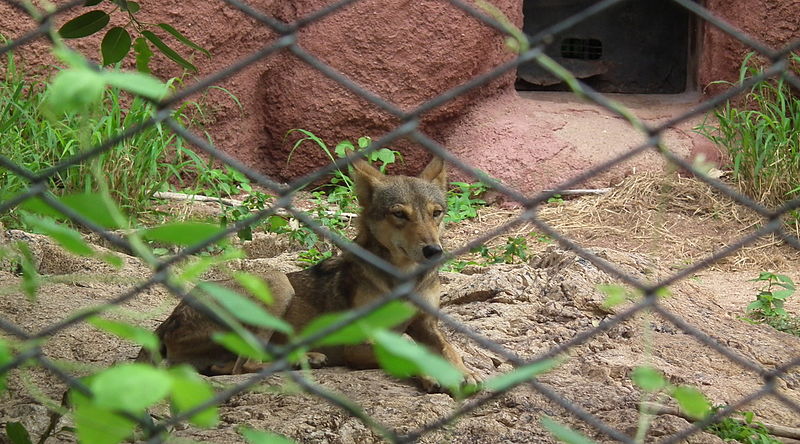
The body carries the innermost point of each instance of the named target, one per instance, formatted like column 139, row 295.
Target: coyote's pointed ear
column 366, row 177
column 436, row 173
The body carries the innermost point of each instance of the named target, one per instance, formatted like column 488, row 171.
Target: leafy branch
column 118, row 42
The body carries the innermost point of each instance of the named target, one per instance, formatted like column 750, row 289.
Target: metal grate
column 287, row 40
column 582, row 49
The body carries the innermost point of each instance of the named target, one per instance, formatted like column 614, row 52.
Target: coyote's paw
column 472, row 378
column 430, row 385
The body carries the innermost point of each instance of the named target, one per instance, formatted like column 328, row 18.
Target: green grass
column 762, row 138
column 152, row 160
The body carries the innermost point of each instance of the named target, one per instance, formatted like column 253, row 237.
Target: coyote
column 401, row 221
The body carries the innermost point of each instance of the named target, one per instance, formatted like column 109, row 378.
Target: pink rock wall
column 406, row 52
column 772, row 22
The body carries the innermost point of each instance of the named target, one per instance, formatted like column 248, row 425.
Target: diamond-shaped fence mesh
column 569, row 405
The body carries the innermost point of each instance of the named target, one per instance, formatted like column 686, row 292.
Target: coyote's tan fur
column 401, row 222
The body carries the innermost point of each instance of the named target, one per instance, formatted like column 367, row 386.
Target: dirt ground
column 650, row 226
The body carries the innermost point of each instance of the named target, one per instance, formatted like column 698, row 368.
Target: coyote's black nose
column 431, row 251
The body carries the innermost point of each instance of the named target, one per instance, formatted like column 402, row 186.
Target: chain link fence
column 287, row 40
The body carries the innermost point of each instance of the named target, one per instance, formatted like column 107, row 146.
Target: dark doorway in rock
column 636, row 46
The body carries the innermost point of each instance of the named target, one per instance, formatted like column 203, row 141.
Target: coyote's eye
column 437, row 213
column 400, row 214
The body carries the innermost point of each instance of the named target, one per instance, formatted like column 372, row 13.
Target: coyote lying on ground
column 401, row 221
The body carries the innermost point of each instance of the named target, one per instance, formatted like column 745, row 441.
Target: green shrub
column 762, row 138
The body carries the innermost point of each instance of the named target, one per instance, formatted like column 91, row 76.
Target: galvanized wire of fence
column 409, row 129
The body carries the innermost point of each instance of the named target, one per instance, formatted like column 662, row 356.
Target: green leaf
column 181, row 233
column 388, row 316
column 782, row 294
column 72, row 59
column 169, row 52
column 754, row 305
column 182, row 38
column 65, row 236
column 30, row 275
column 98, row 425
column 276, row 223
column 564, row 433
column 648, row 379
column 193, row 270
column 256, row 286
column 17, row 433
column 520, row 375
column 143, row 55
column 130, row 387
column 259, row 437
column 92, row 2
column 115, row 45
column 139, row 83
column 84, row 25
column 188, row 391
column 385, row 155
column 92, row 206
column 402, row 358
column 141, row 336
column 128, row 6
column 241, row 347
column 691, row 401
column 243, row 308
column 113, row 260
column 74, row 90
column 615, row 295
column 5, row 357
column 341, row 150
column 764, row 276
column 663, row 293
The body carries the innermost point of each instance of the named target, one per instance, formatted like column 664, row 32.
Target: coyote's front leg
column 425, row 330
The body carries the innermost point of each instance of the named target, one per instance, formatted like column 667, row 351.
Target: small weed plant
column 217, row 182
column 746, row 430
column 340, row 190
column 463, row 201
column 556, row 199
column 514, row 251
column 768, row 306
